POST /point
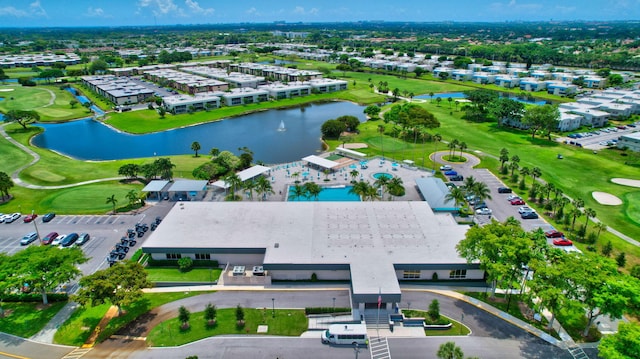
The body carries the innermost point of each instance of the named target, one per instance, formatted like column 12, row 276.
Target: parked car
column 82, row 239
column 28, row 238
column 2, row 217
column 58, row 239
column 529, row 215
column 553, row 234
column 30, row 218
column 49, row 238
column 562, row 242
column 445, row 168
column 524, row 209
column 451, row 173
column 512, row 197
column 480, row 205
column 517, row 202
column 10, row 218
column 504, row 190
column 48, row 217
column 456, row 178
column 484, row 211
column 70, row 239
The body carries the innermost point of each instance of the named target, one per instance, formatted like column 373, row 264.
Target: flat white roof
column 319, row 161
column 350, row 152
column 155, row 186
column 188, row 186
column 244, row 175
column 370, row 237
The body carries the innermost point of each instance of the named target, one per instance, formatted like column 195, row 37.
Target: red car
column 516, row 201
column 553, row 234
column 562, row 242
column 30, row 218
column 49, row 238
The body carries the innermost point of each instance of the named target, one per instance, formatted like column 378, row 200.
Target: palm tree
column 449, row 350
column 513, row 166
column 381, row 130
column 438, row 100
column 372, row 193
column 462, row 145
column 195, row 146
column 132, row 196
column 512, row 221
column 165, row 168
column 295, row 176
column 456, row 195
column 578, row 203
column 354, row 174
column 504, row 157
column 234, row 181
column 452, row 146
column 469, row 183
column 394, row 186
column 298, row 191
column 600, row 227
column 431, row 95
column 313, row 189
column 535, row 173
column 481, row 190
column 450, row 101
column 263, row 187
column 436, row 138
column 250, row 186
column 6, row 183
column 113, row 201
column 548, row 188
column 525, row 171
column 382, row 183
column 360, row 188
column 589, row 213
column 575, row 213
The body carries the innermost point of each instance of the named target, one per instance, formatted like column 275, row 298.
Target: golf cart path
column 15, row 176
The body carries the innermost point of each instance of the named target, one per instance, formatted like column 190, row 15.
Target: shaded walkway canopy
column 321, row 162
column 350, row 153
column 244, row 175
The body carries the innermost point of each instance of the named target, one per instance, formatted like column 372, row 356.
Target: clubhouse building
column 374, row 245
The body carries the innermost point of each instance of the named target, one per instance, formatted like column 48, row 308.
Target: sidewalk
column 46, row 334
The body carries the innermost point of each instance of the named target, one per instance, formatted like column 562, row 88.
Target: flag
column 379, row 299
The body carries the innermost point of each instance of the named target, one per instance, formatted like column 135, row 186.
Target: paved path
column 15, row 176
column 46, row 334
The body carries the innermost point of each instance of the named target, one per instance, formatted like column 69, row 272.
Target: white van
column 346, row 334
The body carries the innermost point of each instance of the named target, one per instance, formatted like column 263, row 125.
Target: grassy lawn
column 26, row 319
column 285, row 322
column 77, row 329
column 456, row 327
column 38, row 98
column 176, row 275
column 410, row 84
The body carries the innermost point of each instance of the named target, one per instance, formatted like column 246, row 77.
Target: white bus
column 346, row 334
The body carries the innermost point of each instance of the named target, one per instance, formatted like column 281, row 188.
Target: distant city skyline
column 71, row 13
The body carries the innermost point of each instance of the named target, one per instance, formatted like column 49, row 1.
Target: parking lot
column 105, row 231
column 597, row 139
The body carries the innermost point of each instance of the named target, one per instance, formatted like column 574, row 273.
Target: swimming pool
column 382, row 174
column 328, row 194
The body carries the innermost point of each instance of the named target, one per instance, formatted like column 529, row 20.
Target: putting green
column 47, row 176
column 90, row 198
column 632, row 207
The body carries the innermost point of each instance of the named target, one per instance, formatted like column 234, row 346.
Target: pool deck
column 282, row 175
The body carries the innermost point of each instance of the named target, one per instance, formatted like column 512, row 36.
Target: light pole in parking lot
column 273, row 307
column 35, row 225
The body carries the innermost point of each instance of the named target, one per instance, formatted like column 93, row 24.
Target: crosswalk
column 77, row 353
column 379, row 348
column 577, row 353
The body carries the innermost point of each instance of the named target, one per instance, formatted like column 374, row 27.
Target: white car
column 512, row 197
column 484, row 211
column 524, row 209
column 10, row 218
column 445, row 168
column 58, row 240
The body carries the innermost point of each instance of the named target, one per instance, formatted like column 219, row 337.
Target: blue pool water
column 329, row 194
column 1, row 98
column 382, row 174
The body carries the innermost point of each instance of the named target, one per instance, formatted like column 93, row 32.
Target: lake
column 88, row 139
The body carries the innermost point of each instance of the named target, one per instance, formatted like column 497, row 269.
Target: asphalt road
column 15, row 347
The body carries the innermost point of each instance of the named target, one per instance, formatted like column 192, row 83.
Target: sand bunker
column 355, row 145
column 6, row 90
column 626, row 182
column 606, row 199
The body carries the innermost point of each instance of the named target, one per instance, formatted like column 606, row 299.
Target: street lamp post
column 36, row 226
column 273, row 307
column 356, row 350
column 334, row 305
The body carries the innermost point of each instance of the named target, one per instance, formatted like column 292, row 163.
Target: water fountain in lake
column 281, row 127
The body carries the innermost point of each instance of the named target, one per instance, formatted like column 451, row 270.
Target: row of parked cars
column 55, row 239
column 451, row 174
column 12, row 217
column 603, row 130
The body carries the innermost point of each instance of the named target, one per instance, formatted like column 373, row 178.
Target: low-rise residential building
column 119, row 90
column 234, row 79
column 245, row 95
column 532, row 84
column 630, row 141
column 481, row 77
column 508, row 81
column 30, row 60
column 560, row 88
column 184, row 103
column 186, row 82
column 461, row 75
column 568, row 121
column 279, row 90
column 327, row 85
column 594, row 82
column 591, row 116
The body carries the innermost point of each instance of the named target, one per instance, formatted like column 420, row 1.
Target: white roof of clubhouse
column 319, row 161
column 370, row 237
column 244, row 175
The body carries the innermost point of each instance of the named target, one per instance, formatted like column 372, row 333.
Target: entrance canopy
column 155, row 186
column 244, row 175
column 321, row 162
column 350, row 153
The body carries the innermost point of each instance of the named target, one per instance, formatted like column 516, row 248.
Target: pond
column 532, row 100
column 261, row 132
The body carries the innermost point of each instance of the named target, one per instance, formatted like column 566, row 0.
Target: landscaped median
column 289, row 322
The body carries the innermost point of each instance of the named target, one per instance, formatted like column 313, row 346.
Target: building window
column 458, row 274
column 411, row 274
column 174, row 256
column 203, row 256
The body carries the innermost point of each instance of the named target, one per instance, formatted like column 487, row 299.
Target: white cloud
column 566, row 9
column 12, row 11
column 34, row 10
column 514, row 7
column 196, row 8
column 161, row 7
column 299, row 10
column 253, row 12
column 97, row 12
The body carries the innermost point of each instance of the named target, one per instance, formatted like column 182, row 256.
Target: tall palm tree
column 113, row 201
column 313, row 190
column 469, row 183
column 575, row 213
column 132, row 197
column 354, row 174
column 360, row 188
column 456, row 195
column 452, row 146
column 450, row 101
column 536, row 172
column 250, row 186
column 589, row 213
column 504, row 157
column 263, row 187
column 381, row 131
column 513, row 166
column 524, row 171
column 165, row 168
column 195, row 146
column 372, row 193
column 600, row 227
column 463, row 146
column 381, row 184
column 234, row 181
column 578, row 203
column 394, row 186
column 481, row 190
column 436, row 138
column 298, row 192
column 548, row 188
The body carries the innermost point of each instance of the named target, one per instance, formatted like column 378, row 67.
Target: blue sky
column 34, row 13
